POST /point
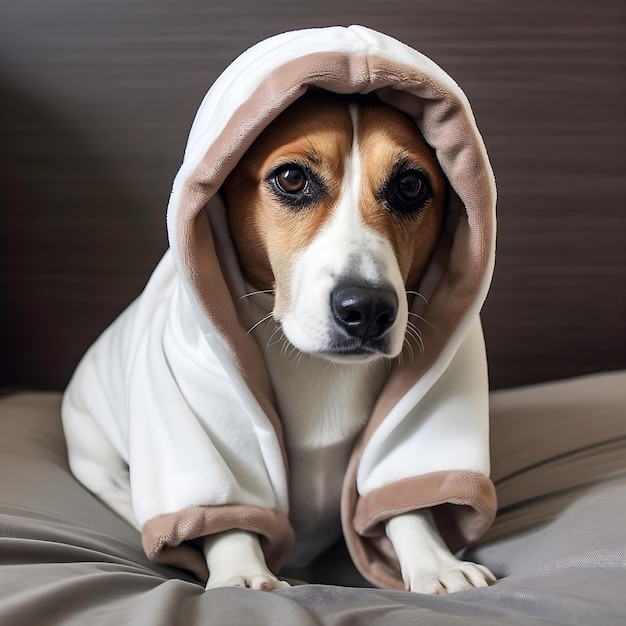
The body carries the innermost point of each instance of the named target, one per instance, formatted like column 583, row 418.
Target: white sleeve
column 165, row 402
column 443, row 427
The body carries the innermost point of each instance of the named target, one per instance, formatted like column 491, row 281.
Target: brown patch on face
column 268, row 228
column 389, row 143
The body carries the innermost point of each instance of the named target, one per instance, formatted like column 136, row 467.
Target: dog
column 334, row 212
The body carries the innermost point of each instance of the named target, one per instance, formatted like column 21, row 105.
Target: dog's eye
column 296, row 186
column 410, row 188
column 407, row 192
column 291, row 179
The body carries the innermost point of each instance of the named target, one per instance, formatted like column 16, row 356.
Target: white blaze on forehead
column 344, row 251
column 346, row 246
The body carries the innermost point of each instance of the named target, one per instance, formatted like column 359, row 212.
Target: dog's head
column 337, row 208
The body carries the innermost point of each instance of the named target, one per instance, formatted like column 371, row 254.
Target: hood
column 250, row 93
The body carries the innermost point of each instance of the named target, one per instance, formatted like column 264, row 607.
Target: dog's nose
column 364, row 312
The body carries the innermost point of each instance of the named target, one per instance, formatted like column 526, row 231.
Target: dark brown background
column 97, row 96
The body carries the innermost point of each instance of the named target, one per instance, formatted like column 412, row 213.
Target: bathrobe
column 170, row 416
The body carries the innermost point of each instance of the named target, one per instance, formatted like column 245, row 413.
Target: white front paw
column 235, row 559
column 449, row 578
column 260, row 581
column 426, row 563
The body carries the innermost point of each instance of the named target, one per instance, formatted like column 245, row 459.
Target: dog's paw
column 258, row 581
column 426, row 564
column 458, row 576
column 235, row 559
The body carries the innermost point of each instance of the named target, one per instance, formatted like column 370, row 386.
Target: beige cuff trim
column 463, row 504
column 166, row 538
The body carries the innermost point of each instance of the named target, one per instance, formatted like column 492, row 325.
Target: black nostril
column 364, row 312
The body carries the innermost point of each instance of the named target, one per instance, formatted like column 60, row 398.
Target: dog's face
column 337, row 207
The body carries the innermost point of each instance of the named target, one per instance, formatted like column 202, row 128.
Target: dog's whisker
column 270, row 340
column 416, row 334
column 419, row 317
column 334, row 365
column 255, row 293
column 277, row 330
column 287, row 349
column 299, row 359
column 292, row 351
column 419, row 295
column 263, row 319
column 420, row 343
column 412, row 332
column 412, row 337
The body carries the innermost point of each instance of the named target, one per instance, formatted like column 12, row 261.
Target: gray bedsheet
column 558, row 543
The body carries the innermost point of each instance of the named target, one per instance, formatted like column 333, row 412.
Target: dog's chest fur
column 323, row 407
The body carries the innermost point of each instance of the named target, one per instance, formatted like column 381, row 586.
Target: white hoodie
column 171, row 417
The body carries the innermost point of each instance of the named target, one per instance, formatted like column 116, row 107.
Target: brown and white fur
column 334, row 212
